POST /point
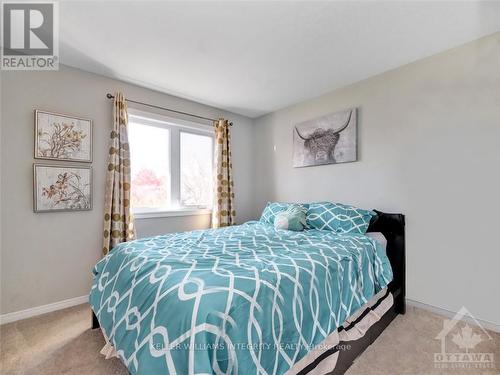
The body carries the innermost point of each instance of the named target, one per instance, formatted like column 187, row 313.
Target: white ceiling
column 255, row 57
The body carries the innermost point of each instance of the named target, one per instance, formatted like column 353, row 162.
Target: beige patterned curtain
column 223, row 213
column 118, row 220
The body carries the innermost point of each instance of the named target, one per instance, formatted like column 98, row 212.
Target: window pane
column 150, row 166
column 196, row 170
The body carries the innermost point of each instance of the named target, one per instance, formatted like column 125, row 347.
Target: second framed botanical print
column 61, row 188
column 62, row 137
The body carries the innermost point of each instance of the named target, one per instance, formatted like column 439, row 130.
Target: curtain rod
column 109, row 96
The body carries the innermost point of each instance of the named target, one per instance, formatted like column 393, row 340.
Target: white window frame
column 175, row 127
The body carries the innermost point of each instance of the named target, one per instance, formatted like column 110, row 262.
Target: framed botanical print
column 61, row 188
column 62, row 137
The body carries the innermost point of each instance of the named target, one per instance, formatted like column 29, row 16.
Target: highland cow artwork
column 61, row 137
column 328, row 139
column 61, row 188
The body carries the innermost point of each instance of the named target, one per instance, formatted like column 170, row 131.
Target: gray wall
column 48, row 257
column 429, row 146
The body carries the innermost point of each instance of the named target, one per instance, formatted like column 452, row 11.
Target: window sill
column 172, row 213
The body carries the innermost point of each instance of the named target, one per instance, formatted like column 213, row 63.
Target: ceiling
column 253, row 58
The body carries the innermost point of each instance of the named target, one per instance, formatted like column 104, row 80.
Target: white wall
column 429, row 147
column 48, row 257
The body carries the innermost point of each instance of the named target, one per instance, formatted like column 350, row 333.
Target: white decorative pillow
column 293, row 218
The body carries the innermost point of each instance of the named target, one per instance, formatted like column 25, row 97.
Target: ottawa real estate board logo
column 30, row 35
column 463, row 345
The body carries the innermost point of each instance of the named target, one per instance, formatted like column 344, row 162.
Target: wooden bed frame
column 392, row 226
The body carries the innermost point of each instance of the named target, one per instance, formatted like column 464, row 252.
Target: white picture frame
column 62, row 137
column 62, row 188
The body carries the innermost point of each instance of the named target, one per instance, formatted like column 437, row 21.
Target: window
column 150, row 166
column 171, row 166
column 196, row 170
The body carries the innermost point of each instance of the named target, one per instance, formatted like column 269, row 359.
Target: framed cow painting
column 329, row 139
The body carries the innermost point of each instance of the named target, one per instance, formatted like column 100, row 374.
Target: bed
column 250, row 299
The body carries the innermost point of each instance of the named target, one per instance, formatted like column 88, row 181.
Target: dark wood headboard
column 392, row 226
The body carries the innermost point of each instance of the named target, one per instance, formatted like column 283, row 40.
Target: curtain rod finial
column 109, row 96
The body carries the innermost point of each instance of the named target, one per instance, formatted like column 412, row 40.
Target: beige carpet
column 62, row 343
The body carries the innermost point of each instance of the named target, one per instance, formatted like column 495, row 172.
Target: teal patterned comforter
column 247, row 299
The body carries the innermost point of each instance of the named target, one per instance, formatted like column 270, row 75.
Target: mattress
column 240, row 299
column 379, row 237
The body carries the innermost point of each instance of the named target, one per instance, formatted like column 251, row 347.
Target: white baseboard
column 450, row 314
column 39, row 310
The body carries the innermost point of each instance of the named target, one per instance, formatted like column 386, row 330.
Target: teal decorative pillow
column 293, row 218
column 274, row 208
column 338, row 217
